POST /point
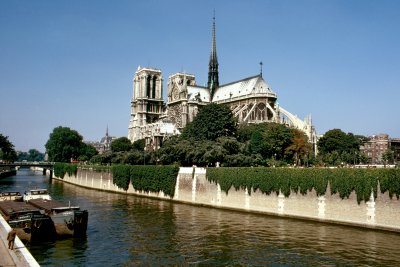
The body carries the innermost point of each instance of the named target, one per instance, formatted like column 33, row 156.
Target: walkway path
column 20, row 256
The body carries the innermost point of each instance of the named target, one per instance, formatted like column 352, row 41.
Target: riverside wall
column 193, row 187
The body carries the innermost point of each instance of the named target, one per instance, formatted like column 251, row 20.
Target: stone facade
column 147, row 104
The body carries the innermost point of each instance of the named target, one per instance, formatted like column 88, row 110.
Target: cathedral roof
column 255, row 85
column 198, row 93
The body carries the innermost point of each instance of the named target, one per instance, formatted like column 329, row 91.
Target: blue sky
column 71, row 63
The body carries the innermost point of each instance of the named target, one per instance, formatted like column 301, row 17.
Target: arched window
column 148, row 78
column 154, row 87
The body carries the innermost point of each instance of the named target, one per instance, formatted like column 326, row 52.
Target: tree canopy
column 65, row 145
column 336, row 147
column 7, row 151
column 211, row 122
column 121, row 144
column 31, row 155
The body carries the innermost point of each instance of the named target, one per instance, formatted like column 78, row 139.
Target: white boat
column 10, row 196
column 36, row 194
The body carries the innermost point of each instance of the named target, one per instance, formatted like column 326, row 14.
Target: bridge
column 28, row 164
column 40, row 164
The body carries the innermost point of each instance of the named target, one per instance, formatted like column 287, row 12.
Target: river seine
column 135, row 231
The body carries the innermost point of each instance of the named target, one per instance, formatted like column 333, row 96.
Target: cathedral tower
column 147, row 103
column 213, row 80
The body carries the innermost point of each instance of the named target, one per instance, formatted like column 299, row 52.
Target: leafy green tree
column 22, row 156
column 230, row 144
column 363, row 158
column 87, row 152
column 35, row 155
column 64, row 145
column 211, row 122
column 138, row 145
column 135, row 157
column 337, row 140
column 277, row 137
column 257, row 143
column 388, row 156
column 7, row 151
column 337, row 147
column 267, row 139
column 122, row 144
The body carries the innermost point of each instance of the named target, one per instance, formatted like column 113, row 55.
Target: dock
column 19, row 256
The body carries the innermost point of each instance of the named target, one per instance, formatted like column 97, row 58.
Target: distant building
column 376, row 147
column 104, row 145
column 395, row 146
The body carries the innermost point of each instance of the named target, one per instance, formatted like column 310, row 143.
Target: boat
column 13, row 196
column 29, row 222
column 36, row 194
column 68, row 220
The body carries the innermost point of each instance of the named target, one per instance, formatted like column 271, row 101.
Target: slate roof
column 252, row 85
column 196, row 93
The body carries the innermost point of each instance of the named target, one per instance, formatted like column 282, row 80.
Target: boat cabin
column 36, row 194
column 10, row 196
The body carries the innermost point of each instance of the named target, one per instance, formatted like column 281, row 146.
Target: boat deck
column 10, row 207
column 48, row 205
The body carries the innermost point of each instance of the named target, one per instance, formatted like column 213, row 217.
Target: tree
column 138, row 145
column 22, row 156
column 64, row 144
column 336, row 147
column 388, row 156
column 337, row 140
column 211, row 122
column 87, row 152
column 7, row 151
column 300, row 147
column 267, row 139
column 35, row 155
column 277, row 137
column 122, row 144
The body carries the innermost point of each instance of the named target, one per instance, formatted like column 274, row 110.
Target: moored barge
column 29, row 222
column 68, row 220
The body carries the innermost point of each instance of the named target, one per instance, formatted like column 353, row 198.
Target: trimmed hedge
column 149, row 178
column 121, row 176
column 342, row 181
column 60, row 169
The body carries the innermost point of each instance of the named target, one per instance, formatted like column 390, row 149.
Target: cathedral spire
column 213, row 81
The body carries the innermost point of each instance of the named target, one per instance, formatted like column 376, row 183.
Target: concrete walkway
column 5, row 257
column 19, row 256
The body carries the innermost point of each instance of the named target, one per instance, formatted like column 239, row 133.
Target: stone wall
column 193, row 187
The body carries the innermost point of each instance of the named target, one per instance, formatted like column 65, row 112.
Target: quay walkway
column 19, row 256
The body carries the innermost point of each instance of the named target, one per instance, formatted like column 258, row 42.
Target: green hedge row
column 147, row 178
column 60, row 169
column 342, row 181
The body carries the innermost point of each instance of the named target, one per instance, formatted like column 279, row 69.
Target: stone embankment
column 19, row 256
column 381, row 212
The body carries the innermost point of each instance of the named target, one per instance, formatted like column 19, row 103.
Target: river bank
column 7, row 173
column 192, row 187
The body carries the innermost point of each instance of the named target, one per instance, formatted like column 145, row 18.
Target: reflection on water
column 135, row 231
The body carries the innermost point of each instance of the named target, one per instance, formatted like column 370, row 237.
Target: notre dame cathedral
column 251, row 100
